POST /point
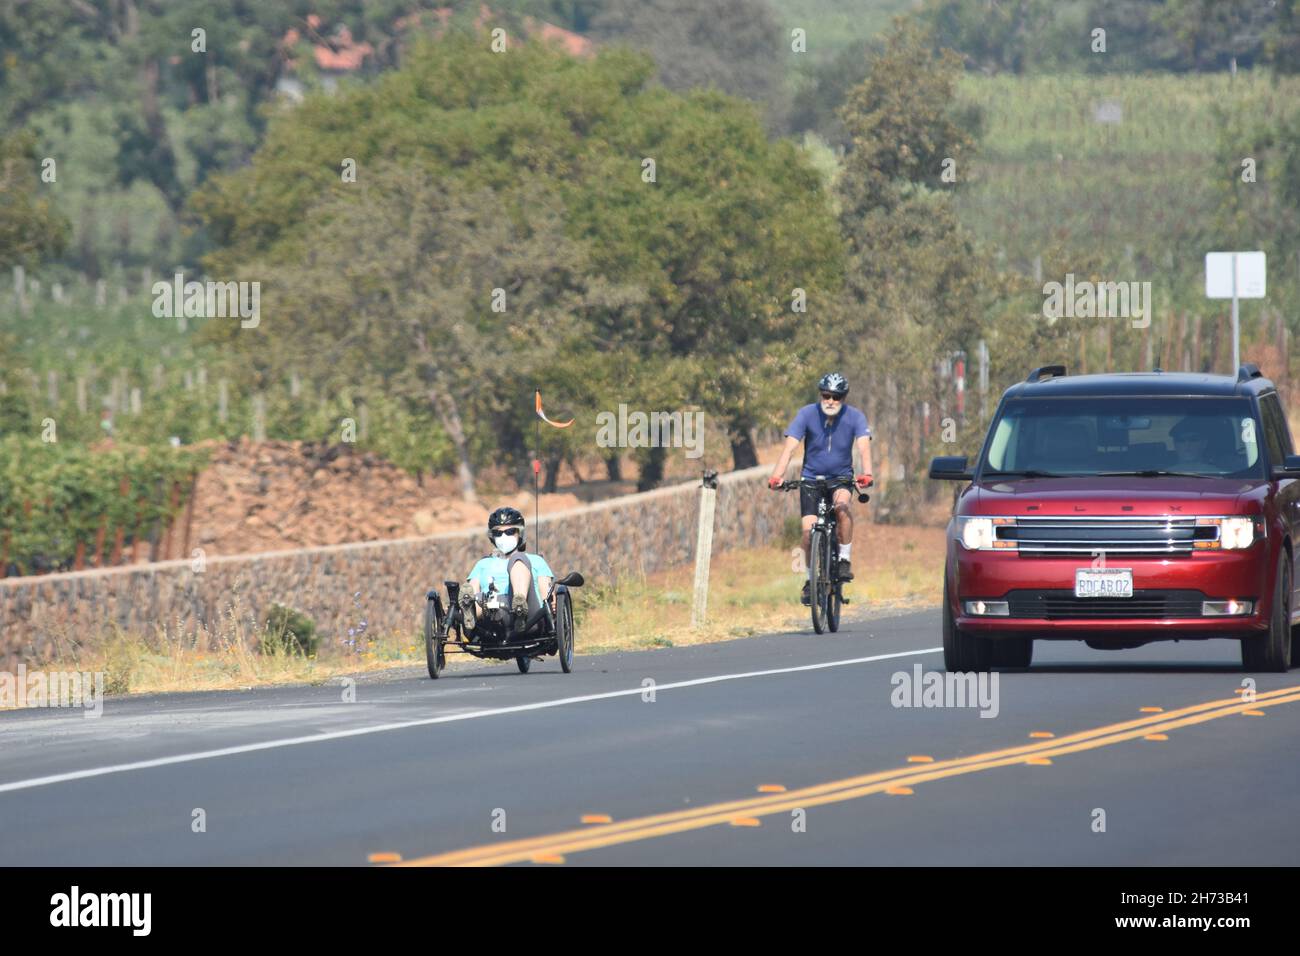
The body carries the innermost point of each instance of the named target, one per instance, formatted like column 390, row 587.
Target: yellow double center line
column 836, row 791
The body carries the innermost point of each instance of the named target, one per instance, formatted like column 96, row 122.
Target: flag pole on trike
column 537, row 464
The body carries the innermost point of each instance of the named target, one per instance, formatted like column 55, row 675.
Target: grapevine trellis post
column 259, row 417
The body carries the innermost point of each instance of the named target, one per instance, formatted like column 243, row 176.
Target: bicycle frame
column 826, row 521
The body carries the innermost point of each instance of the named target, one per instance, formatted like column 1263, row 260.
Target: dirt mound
column 266, row 496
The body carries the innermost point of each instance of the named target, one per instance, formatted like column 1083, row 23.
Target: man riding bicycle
column 829, row 429
column 523, row 580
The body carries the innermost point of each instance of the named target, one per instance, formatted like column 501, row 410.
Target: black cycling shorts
column 808, row 494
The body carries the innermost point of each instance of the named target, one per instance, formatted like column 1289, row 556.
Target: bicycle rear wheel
column 818, row 579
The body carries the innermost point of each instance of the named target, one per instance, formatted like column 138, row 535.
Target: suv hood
column 1112, row 496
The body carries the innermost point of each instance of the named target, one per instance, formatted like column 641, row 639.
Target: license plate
column 1113, row 582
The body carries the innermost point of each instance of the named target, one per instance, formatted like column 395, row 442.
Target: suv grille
column 1060, row 604
column 1115, row 535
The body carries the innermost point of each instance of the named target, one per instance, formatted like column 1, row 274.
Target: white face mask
column 505, row 542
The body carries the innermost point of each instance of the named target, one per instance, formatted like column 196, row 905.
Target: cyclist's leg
column 844, row 528
column 808, row 517
column 469, row 606
column 521, row 576
column 843, row 516
column 808, row 513
column 521, row 582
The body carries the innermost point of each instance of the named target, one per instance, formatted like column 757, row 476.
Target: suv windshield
column 1211, row 437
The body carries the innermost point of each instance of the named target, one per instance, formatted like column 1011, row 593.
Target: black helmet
column 507, row 518
column 835, row 383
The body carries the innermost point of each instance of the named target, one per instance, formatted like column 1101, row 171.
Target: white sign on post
column 1234, row 275
column 1250, row 275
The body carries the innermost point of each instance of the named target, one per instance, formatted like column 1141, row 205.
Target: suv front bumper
column 1039, row 591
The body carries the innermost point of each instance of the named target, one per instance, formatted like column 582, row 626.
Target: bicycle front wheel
column 818, row 579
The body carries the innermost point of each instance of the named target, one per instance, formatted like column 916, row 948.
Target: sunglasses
column 832, row 397
column 503, row 532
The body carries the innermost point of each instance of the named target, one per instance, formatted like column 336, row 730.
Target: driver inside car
column 1191, row 440
column 508, row 586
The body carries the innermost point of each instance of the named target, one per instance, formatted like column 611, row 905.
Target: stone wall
column 381, row 583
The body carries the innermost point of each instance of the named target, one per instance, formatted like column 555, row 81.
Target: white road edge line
column 445, row 719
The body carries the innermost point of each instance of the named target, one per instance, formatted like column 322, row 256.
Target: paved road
column 432, row 771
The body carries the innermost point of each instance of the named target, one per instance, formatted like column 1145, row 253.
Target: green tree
column 1211, row 33
column 1181, row 35
column 30, row 227
column 903, row 125
column 992, row 36
column 398, row 296
column 694, row 267
column 735, row 46
column 919, row 288
column 1283, row 43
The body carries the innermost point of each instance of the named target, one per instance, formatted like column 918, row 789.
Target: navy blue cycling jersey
column 828, row 442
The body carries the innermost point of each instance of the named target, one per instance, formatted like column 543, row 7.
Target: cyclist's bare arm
column 782, row 463
column 864, row 453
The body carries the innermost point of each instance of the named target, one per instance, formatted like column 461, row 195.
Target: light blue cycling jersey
column 493, row 569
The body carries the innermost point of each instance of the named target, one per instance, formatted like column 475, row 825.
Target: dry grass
column 752, row 591
column 756, row 591
column 234, row 654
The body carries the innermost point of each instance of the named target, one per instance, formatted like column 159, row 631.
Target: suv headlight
column 1235, row 533
column 975, row 533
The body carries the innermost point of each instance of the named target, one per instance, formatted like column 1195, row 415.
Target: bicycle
column 825, row 589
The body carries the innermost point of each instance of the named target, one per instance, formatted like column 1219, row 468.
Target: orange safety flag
column 542, row 415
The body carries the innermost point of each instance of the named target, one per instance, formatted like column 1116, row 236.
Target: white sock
column 807, row 571
column 844, row 551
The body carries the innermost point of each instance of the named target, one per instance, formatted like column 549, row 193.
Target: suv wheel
column 1271, row 651
column 1011, row 651
column 961, row 652
column 1295, row 641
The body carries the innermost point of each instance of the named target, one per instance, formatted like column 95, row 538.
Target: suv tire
column 1011, row 651
column 961, row 652
column 1271, row 651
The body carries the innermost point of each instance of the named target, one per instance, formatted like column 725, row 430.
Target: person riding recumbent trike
column 511, row 606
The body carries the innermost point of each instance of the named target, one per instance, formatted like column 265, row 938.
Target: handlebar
column 792, row 485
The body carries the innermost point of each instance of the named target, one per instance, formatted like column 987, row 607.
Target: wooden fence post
column 259, row 417
column 704, row 548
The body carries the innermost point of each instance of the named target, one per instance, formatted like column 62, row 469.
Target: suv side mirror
column 950, row 468
column 1290, row 467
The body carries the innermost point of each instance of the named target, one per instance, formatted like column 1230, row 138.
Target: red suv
column 1123, row 509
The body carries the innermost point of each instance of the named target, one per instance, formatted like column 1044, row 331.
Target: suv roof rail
column 1049, row 371
column 1248, row 371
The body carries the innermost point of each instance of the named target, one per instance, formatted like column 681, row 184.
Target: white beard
column 832, row 412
